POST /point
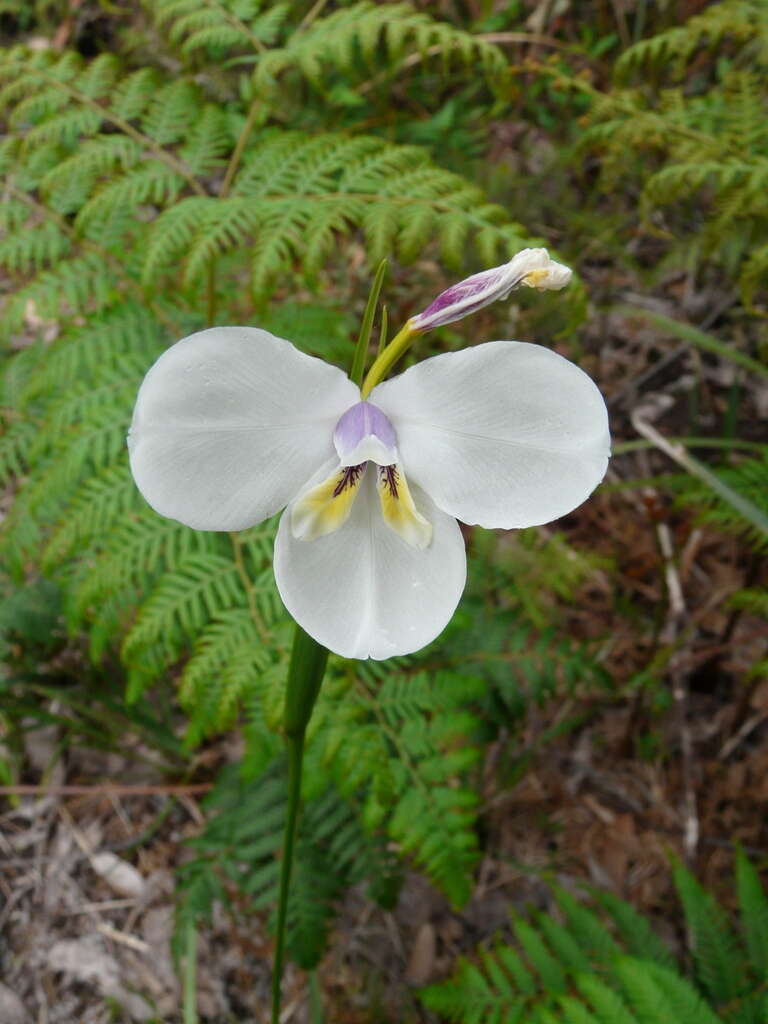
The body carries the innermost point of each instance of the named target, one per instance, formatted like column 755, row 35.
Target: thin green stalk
column 364, row 338
column 623, row 447
column 190, row 974
column 383, row 328
column 305, row 676
column 315, row 999
column 295, row 748
column 392, row 353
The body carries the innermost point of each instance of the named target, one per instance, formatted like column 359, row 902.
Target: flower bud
column 531, row 267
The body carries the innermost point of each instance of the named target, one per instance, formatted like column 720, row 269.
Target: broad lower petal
column 229, row 423
column 505, row 434
column 364, row 592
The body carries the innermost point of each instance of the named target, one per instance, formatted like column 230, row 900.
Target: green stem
column 295, row 747
column 386, row 360
column 190, row 974
column 315, row 999
column 305, row 676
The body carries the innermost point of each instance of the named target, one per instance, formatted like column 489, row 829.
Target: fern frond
column 291, row 187
column 657, row 993
column 183, row 600
column 748, row 478
column 606, row 1004
column 100, row 504
column 576, row 973
column 133, row 94
column 478, row 996
column 551, row 975
column 755, row 272
column 588, row 930
column 146, row 183
column 719, row 964
column 172, row 113
column 16, row 442
column 753, row 904
column 219, row 28
column 635, row 930
column 742, row 21
column 229, row 644
column 138, row 548
column 33, row 246
column 354, row 38
column 125, row 338
column 79, row 284
column 208, row 142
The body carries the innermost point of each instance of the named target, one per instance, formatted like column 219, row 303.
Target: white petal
column 229, row 423
column 504, row 434
column 362, row 591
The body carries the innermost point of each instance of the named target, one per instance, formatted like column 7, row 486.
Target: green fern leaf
column 719, row 964
column 753, row 904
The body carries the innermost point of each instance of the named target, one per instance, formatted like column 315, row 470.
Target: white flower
column 232, row 424
column 531, row 267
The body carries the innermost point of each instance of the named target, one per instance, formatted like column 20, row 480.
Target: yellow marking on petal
column 398, row 508
column 536, row 278
column 326, row 507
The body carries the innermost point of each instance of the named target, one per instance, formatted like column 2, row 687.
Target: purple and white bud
column 364, row 434
column 531, row 267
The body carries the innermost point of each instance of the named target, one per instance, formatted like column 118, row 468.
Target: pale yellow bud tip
column 550, row 278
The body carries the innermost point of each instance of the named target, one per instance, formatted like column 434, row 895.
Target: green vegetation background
column 176, row 163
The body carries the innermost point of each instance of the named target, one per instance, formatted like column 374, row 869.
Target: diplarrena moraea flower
column 233, row 424
column 530, row 267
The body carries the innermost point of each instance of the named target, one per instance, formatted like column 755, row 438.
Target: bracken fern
column 577, row 966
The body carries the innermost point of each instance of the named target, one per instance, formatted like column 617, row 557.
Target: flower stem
column 386, row 360
column 190, row 973
column 305, row 676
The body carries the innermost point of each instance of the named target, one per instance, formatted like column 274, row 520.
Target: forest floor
column 87, row 877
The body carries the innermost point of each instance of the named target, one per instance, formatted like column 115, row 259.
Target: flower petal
column 362, row 591
column 504, row 434
column 531, row 267
column 228, row 425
